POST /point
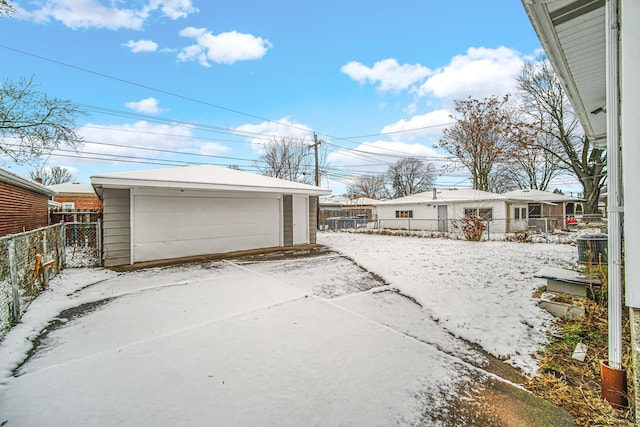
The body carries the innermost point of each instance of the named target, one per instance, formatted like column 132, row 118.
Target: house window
column 484, row 213
column 520, row 213
column 68, row 206
column 404, row 214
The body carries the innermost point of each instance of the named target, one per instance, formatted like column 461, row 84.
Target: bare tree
column 548, row 106
column 32, row 124
column 409, row 176
column 371, row 186
column 483, row 136
column 529, row 166
column 6, row 8
column 53, row 175
column 501, row 179
column 287, row 158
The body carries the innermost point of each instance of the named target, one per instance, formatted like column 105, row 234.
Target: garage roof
column 203, row 177
column 72, row 188
column 572, row 32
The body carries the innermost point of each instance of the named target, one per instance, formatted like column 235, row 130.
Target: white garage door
column 179, row 224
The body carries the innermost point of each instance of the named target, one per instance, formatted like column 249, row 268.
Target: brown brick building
column 23, row 203
column 75, row 196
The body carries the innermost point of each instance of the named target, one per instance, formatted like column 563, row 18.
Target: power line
column 195, row 100
column 166, row 92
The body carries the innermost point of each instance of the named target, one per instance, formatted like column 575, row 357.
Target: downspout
column 615, row 208
column 612, row 373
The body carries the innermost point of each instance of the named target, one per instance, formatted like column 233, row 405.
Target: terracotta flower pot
column 614, row 385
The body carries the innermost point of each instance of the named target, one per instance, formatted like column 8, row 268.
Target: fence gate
column 23, row 255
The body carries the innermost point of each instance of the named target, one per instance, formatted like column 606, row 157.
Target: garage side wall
column 116, row 225
column 313, row 219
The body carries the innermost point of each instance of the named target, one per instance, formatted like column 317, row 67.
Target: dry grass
column 575, row 385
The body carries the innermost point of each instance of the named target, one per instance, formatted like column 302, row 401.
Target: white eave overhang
column 100, row 183
column 572, row 33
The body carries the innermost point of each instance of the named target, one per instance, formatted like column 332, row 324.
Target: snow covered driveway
column 310, row 340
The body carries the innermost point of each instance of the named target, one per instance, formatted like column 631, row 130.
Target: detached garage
column 162, row 214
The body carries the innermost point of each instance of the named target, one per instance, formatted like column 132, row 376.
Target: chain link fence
column 28, row 260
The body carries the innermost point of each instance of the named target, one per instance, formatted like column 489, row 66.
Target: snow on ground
column 310, row 340
column 479, row 291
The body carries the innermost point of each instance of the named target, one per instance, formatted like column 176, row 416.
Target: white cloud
column 174, row 9
column 148, row 105
column 94, row 14
column 431, row 123
column 122, row 138
column 142, row 46
column 260, row 133
column 388, row 73
column 480, row 73
column 223, row 48
column 213, row 149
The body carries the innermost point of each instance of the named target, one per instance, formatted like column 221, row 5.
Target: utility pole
column 315, row 145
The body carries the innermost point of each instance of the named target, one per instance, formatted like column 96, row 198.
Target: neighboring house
column 23, row 203
column 442, row 209
column 74, row 196
column 553, row 208
column 200, row 210
column 343, row 206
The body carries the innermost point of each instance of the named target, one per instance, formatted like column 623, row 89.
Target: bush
column 472, row 227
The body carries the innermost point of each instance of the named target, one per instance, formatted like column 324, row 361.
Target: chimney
column 435, row 193
column 38, row 180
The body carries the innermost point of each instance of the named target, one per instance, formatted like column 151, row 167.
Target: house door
column 443, row 227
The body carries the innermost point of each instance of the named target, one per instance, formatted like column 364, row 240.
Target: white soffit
column 572, row 33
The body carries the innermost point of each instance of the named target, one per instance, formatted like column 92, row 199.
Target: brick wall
column 83, row 202
column 21, row 210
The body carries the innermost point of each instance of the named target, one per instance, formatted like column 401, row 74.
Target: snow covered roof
column 73, row 187
column 540, row 196
column 13, row 178
column 347, row 201
column 446, row 196
column 202, row 177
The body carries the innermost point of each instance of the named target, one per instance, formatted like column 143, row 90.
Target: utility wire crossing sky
column 180, row 82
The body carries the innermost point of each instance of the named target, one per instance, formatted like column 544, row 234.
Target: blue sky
column 218, row 77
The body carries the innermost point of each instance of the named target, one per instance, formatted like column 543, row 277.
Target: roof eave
column 22, row 182
column 541, row 21
column 99, row 183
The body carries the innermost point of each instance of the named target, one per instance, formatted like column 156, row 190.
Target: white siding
column 172, row 223
column 631, row 148
column 425, row 216
column 116, row 227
